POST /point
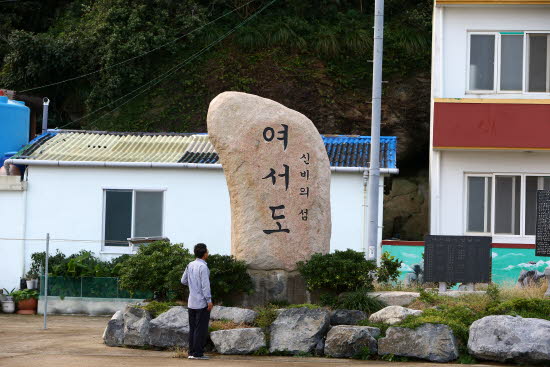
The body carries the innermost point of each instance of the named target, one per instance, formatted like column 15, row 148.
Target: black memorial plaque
column 542, row 247
column 457, row 259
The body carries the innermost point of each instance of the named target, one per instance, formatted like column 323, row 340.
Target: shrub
column 389, row 268
column 156, row 308
column 524, row 307
column 341, row 271
column 157, row 267
column 266, row 315
column 24, row 294
column 228, row 277
column 360, row 300
column 458, row 318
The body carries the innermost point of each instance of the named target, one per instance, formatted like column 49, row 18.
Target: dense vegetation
column 310, row 55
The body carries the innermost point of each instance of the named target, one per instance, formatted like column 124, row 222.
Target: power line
column 65, row 240
column 160, row 78
column 138, row 56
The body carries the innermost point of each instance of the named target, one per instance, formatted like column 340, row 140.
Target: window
column 504, row 205
column 479, row 204
column 538, row 79
column 496, row 62
column 482, row 62
column 132, row 213
column 507, row 204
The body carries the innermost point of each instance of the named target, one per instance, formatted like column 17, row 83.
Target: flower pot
column 8, row 307
column 30, row 284
column 35, row 283
column 27, row 306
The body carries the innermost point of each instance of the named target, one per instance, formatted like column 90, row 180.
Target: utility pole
column 376, row 114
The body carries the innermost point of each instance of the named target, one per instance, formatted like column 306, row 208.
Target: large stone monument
column 278, row 175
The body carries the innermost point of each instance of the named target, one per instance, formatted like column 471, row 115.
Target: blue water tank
column 14, row 125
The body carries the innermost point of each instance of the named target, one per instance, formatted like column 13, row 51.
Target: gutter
column 30, row 162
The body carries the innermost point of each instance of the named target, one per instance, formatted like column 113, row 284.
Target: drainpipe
column 45, row 115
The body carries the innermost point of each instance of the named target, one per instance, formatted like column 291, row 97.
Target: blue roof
column 342, row 150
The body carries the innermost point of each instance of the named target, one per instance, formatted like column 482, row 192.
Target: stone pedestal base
column 275, row 285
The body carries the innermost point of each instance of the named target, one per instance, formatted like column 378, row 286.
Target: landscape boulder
column 510, row 339
column 136, row 326
column 238, row 341
column 299, row 330
column 346, row 341
column 347, row 317
column 433, row 342
column 395, row 298
column 235, row 314
column 392, row 314
column 170, row 328
column 263, row 147
column 113, row 335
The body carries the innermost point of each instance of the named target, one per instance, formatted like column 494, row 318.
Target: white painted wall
column 451, row 55
column 454, row 166
column 68, row 203
column 11, row 226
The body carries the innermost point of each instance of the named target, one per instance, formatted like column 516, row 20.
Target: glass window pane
column 476, row 204
column 538, row 58
column 507, row 204
column 118, row 217
column 511, row 62
column 489, row 202
column 482, row 62
column 148, row 216
column 531, row 187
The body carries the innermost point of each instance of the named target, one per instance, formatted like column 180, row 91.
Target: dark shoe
column 202, row 357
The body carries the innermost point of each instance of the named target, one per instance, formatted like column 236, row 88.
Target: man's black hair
column 200, row 250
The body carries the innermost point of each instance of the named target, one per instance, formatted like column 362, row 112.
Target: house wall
column 12, row 206
column 451, row 48
column 455, row 164
column 68, row 203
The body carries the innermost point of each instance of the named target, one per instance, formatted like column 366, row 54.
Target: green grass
column 156, row 308
column 266, row 315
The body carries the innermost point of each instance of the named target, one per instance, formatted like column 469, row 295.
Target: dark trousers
column 198, row 330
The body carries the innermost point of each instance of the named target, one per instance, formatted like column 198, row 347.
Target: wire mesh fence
column 91, row 287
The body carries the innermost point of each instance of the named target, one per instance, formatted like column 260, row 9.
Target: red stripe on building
column 491, row 125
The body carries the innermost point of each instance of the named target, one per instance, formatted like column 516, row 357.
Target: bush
column 266, row 315
column 156, row 308
column 24, row 294
column 360, row 300
column 524, row 307
column 389, row 268
column 228, row 277
column 156, row 267
column 341, row 271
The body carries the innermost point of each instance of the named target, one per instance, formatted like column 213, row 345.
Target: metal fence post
column 46, row 282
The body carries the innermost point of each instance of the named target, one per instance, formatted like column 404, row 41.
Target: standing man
column 197, row 278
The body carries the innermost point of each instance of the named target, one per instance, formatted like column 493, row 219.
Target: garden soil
column 76, row 341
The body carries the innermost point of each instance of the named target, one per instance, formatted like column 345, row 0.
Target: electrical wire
column 165, row 75
column 65, row 240
column 138, row 56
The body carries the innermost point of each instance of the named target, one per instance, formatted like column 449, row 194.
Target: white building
column 94, row 190
column 490, row 128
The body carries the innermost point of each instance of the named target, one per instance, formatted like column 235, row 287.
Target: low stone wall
column 84, row 305
column 305, row 331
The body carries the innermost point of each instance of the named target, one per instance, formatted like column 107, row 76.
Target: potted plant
column 32, row 279
column 27, row 301
column 8, row 305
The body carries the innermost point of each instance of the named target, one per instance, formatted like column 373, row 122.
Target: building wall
column 455, row 164
column 450, row 49
column 11, row 226
column 68, row 204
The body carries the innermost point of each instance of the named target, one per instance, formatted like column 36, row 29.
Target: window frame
column 526, row 60
column 467, row 203
column 127, row 249
column 497, row 67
